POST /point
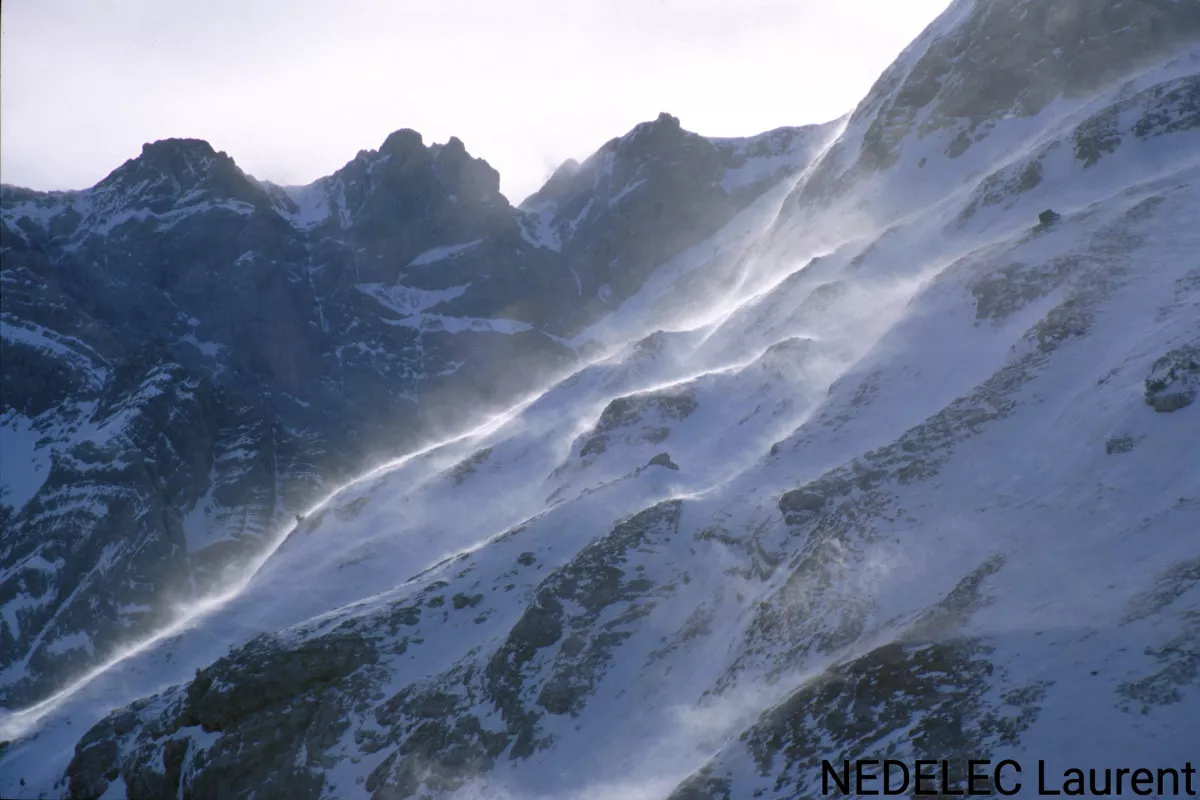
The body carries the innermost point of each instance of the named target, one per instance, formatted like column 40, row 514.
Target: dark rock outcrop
column 1118, row 444
column 663, row 460
column 1174, row 380
column 1048, row 217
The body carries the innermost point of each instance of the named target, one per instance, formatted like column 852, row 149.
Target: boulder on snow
column 1174, row 380
column 800, row 502
column 1048, row 217
column 1118, row 444
column 663, row 460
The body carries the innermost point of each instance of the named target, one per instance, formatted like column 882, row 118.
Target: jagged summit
column 664, row 127
column 404, row 151
column 402, row 141
column 655, row 136
column 555, row 183
column 170, row 168
column 642, row 196
column 377, row 187
column 176, row 148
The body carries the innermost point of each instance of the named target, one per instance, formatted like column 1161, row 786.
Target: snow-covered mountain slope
column 884, row 467
column 650, row 194
column 190, row 356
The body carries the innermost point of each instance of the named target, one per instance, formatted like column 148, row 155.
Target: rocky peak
column 402, row 200
column 402, row 154
column 646, row 196
column 470, row 179
column 169, row 171
column 661, row 138
column 402, row 142
column 660, row 149
column 661, row 133
column 404, row 169
column 403, row 161
column 181, row 157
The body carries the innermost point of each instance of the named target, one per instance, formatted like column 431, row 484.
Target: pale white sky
column 292, row 89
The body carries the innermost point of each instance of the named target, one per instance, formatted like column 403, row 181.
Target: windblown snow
column 900, row 439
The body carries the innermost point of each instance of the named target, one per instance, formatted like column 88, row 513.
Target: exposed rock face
column 931, row 686
column 1174, row 381
column 1142, row 114
column 981, row 63
column 650, row 194
column 635, row 191
column 638, row 418
column 191, row 356
column 281, row 699
column 663, row 460
column 277, row 701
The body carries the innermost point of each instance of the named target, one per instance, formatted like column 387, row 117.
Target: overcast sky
column 292, row 89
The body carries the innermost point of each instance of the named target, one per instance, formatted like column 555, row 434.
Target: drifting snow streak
column 22, row 722
column 931, row 445
column 886, row 298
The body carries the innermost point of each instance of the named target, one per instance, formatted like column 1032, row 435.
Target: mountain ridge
column 323, row 327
